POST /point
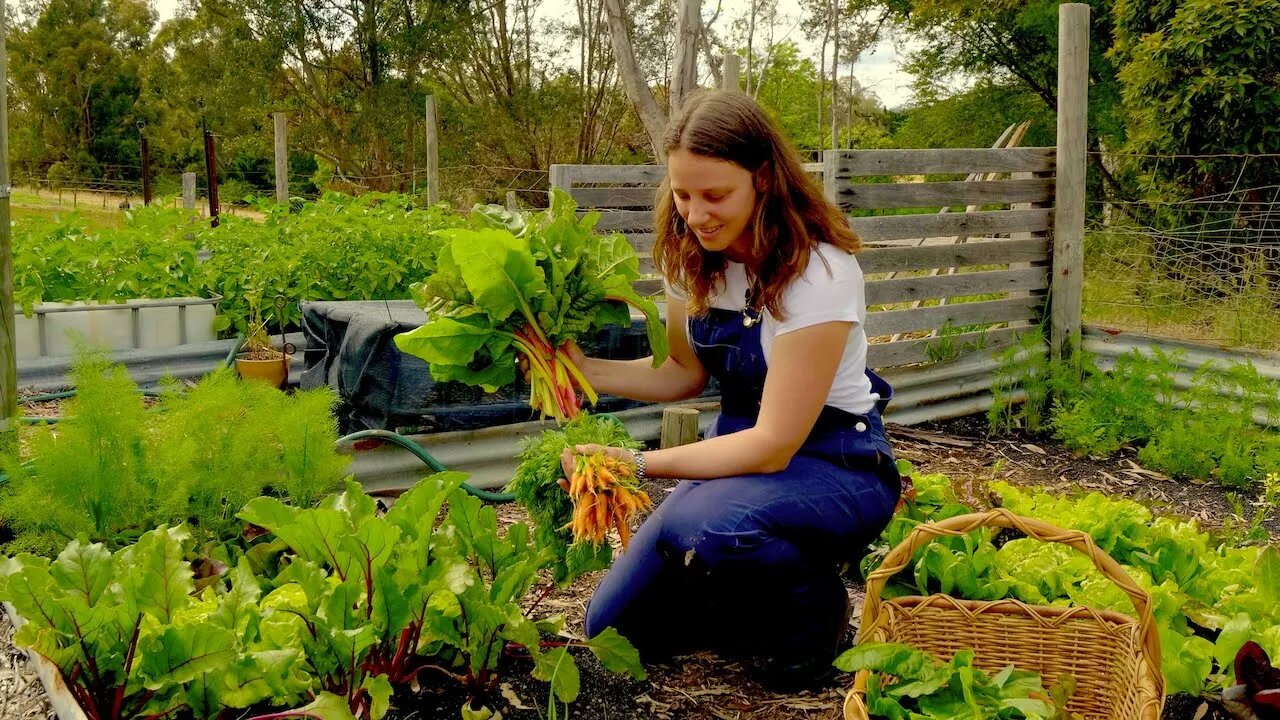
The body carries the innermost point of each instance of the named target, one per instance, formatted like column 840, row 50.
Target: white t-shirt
column 827, row 292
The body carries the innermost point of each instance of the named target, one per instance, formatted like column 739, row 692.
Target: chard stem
column 581, row 379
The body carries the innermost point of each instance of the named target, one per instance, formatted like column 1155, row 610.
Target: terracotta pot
column 274, row 371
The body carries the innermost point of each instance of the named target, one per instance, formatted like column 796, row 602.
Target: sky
column 879, row 69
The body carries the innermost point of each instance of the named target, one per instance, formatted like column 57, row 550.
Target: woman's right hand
column 576, row 356
column 569, row 349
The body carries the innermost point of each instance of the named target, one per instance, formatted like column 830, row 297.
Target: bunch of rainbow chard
column 506, row 288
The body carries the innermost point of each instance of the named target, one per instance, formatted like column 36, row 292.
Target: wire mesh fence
column 1203, row 267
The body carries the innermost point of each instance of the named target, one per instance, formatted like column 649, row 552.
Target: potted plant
column 257, row 358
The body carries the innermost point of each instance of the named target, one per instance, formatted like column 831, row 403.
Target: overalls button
column 860, row 427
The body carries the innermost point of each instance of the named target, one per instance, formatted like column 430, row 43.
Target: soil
column 704, row 686
column 261, row 354
column 22, row 697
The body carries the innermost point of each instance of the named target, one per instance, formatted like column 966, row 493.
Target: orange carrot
column 620, row 521
column 605, row 497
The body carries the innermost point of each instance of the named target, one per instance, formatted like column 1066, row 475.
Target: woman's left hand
column 568, row 459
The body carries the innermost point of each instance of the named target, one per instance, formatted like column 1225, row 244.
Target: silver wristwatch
column 638, row 457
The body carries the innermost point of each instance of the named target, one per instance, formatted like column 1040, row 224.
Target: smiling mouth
column 707, row 232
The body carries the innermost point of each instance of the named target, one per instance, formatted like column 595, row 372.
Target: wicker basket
column 1114, row 658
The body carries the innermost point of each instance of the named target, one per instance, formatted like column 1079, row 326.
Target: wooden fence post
column 729, row 78
column 282, row 158
column 211, row 171
column 1065, row 294
column 830, row 164
column 146, row 170
column 8, row 353
column 433, row 153
column 557, row 177
column 679, row 426
column 189, row 191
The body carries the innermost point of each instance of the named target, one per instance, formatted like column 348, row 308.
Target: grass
column 101, row 210
column 1126, row 288
column 27, row 203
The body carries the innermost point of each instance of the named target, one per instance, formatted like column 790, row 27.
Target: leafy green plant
column 1208, row 596
column 359, row 590
column 909, row 683
column 91, row 476
column 1220, row 407
column 497, row 295
column 224, row 441
column 257, row 339
column 130, row 639
column 1024, row 366
column 945, row 346
column 378, row 601
column 536, row 488
column 338, row 247
column 934, row 499
column 1203, row 426
column 113, row 469
column 1199, row 586
column 371, row 247
column 152, row 255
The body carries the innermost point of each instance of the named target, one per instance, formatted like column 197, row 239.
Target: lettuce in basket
column 908, row 683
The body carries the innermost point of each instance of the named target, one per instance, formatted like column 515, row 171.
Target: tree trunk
column 637, row 88
column 851, row 107
column 822, row 84
column 835, row 74
column 751, row 53
column 684, row 79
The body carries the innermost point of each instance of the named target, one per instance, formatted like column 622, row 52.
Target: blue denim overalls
column 751, row 563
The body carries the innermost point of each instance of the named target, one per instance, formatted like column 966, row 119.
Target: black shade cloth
column 349, row 347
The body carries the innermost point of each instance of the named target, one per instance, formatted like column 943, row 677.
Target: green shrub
column 1198, row 425
column 112, row 469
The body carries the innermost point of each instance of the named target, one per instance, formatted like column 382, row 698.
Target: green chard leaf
column 326, row 706
column 159, row 581
column 619, row 286
column 616, row 653
column 447, row 340
column 499, row 270
column 178, row 655
column 558, row 667
column 314, row 534
column 379, row 689
column 415, row 511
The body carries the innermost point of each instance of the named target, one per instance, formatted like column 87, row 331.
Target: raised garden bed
column 54, row 328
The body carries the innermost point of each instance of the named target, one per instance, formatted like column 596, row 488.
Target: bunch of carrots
column 605, row 494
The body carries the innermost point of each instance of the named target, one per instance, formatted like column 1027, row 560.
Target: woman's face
column 716, row 198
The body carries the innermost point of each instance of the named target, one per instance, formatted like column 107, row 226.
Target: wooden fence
column 943, row 288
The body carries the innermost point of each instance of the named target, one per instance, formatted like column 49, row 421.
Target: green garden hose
column 426, row 457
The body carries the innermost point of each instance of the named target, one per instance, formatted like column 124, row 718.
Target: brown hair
column 791, row 215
